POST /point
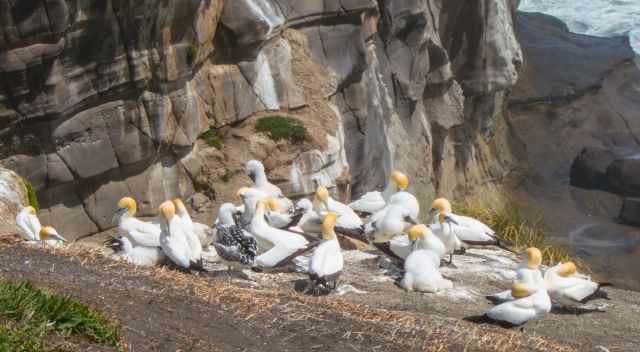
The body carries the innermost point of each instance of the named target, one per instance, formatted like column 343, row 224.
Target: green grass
column 227, row 176
column 280, row 127
column 30, row 315
column 513, row 225
column 213, row 137
column 192, row 53
column 31, row 194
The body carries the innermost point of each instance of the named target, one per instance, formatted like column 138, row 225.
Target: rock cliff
column 103, row 99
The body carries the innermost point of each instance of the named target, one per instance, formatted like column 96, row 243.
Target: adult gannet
column 568, row 288
column 310, row 222
column 402, row 199
column 395, row 221
column 50, row 237
column 444, row 231
column 28, row 224
column 255, row 171
column 467, row 229
column 173, row 238
column 281, row 246
column 140, row 233
column 141, row 256
column 528, row 304
column 371, row 202
column 421, row 272
column 235, row 246
column 203, row 233
column 190, row 232
column 528, row 274
column 327, row 261
column 348, row 222
column 279, row 217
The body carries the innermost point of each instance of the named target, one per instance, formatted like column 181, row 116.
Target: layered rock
column 13, row 196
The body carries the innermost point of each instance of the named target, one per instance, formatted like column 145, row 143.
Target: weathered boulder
column 630, row 212
column 589, row 168
column 13, row 196
column 623, row 177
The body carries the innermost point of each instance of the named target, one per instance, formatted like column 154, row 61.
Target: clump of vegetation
column 227, row 176
column 30, row 315
column 513, row 225
column 31, row 194
column 192, row 53
column 213, row 137
column 281, row 127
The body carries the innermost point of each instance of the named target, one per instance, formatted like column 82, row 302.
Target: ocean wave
column 604, row 18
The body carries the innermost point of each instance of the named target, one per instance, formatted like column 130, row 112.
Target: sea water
column 604, row 18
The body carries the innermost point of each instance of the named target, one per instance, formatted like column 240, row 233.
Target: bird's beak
column 252, row 175
column 410, row 220
column 433, row 212
column 118, row 214
column 59, row 237
column 448, row 219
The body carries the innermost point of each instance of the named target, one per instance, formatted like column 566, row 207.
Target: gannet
column 28, row 224
column 250, row 198
column 50, row 237
column 395, row 221
column 348, row 222
column 568, row 288
column 403, row 199
column 280, row 245
column 199, row 233
column 444, row 231
column 255, row 171
column 420, row 237
column 279, row 217
column 527, row 274
column 140, row 233
column 371, row 202
column 173, row 238
column 310, row 222
column 467, row 229
column 235, row 246
column 141, row 256
column 421, row 272
column 528, row 304
column 327, row 261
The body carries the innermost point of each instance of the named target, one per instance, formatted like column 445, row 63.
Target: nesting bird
column 140, row 233
column 348, row 222
column 173, row 238
column 203, row 233
column 528, row 304
column 528, row 274
column 327, row 260
column 421, row 266
column 310, row 221
column 140, row 256
column 568, row 288
column 50, row 237
column 182, row 214
column 28, row 224
column 372, row 202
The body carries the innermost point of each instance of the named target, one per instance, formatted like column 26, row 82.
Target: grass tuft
column 192, row 53
column 227, row 176
column 31, row 194
column 213, row 137
column 280, row 127
column 33, row 314
column 513, row 225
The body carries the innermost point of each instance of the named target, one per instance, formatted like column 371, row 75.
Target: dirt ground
column 163, row 310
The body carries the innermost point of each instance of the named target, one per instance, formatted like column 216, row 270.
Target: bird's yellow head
column 177, row 202
column 442, row 205
column 567, row 269
column 322, row 194
column 167, row 210
column 534, row 258
column 31, row 210
column 242, row 192
column 418, row 231
column 400, row 180
column 129, row 204
column 328, row 223
column 272, row 204
column 519, row 290
column 46, row 232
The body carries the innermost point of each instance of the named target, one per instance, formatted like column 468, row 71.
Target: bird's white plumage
column 188, row 229
column 422, row 273
column 370, row 202
column 141, row 256
column 310, row 222
column 28, row 225
column 392, row 224
column 174, row 243
column 472, row 230
column 568, row 290
column 519, row 311
column 347, row 218
column 327, row 259
column 255, row 170
column 141, row 233
column 402, row 246
column 445, row 234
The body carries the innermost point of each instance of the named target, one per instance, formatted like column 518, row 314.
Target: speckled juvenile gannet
column 327, row 261
column 173, row 238
column 528, row 274
column 50, row 237
column 140, row 233
column 528, row 304
column 421, row 268
column 189, row 230
column 140, row 256
column 281, row 246
column 568, row 288
column 235, row 246
column 28, row 224
column 348, row 222
column 371, row 202
column 255, row 171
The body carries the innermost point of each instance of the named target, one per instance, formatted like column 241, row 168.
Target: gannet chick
column 371, row 202
column 50, row 237
column 255, row 171
column 189, row 230
column 28, row 225
column 421, row 272
column 527, row 274
column 140, row 256
column 173, row 238
column 140, row 233
column 203, row 233
column 281, row 246
column 348, row 222
column 235, row 246
column 327, row 261
column 568, row 288
column 310, row 222
column 279, row 217
column 528, row 304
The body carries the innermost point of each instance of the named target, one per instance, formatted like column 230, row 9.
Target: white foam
column 603, row 18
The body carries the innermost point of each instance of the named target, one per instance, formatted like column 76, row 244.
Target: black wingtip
column 356, row 234
column 493, row 299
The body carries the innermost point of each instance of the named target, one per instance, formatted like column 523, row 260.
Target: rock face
column 105, row 99
column 13, row 196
